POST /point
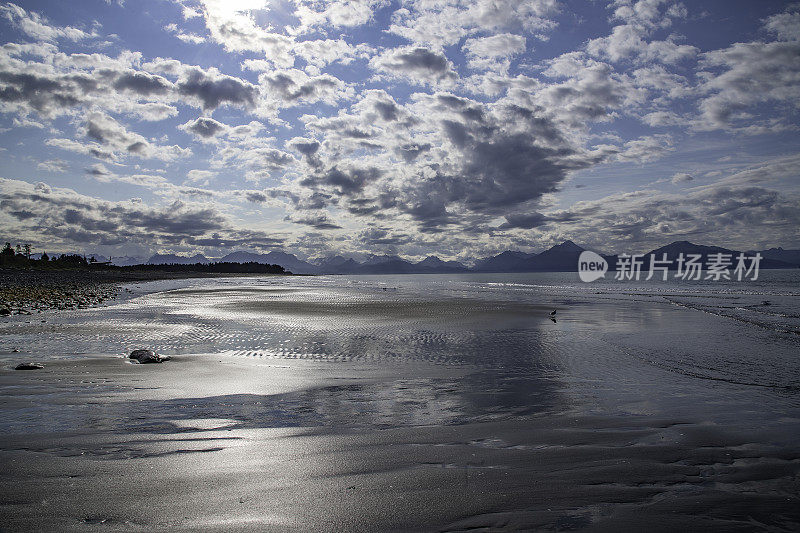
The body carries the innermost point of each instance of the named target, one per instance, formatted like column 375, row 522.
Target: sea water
column 524, row 344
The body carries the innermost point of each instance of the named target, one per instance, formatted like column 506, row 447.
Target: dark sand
column 24, row 292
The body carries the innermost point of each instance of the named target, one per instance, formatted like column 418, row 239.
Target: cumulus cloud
column 444, row 22
column 114, row 141
column 213, row 88
column 459, row 159
column 415, row 65
column 291, row 87
column 493, row 52
column 334, row 13
column 633, row 38
column 204, row 127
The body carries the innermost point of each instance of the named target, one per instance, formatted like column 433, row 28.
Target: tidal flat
column 406, row 403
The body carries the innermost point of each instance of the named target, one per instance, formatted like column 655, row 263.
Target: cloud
column 186, row 37
column 645, row 149
column 53, row 165
column 493, row 52
column 334, row 114
column 583, row 90
column 344, row 181
column 58, row 84
column 733, row 211
column 232, row 25
column 322, row 52
column 415, row 65
column 441, row 161
column 744, row 75
column 317, row 221
column 199, row 177
column 257, row 197
column 376, row 236
column 64, row 216
column 524, row 221
column 116, row 142
column 142, row 83
column 307, row 147
column 292, row 87
column 204, row 127
column 38, row 27
column 632, row 39
column 681, row 177
column 334, row 13
column 785, row 25
column 214, row 89
column 443, row 22
column 49, row 96
column 259, row 160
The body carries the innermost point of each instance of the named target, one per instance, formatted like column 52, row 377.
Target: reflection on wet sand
column 322, row 404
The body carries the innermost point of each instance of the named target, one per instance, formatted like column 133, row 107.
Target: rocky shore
column 26, row 292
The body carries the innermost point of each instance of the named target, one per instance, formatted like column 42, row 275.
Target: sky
column 448, row 127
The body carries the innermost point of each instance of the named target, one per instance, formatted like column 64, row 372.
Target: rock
column 147, row 356
column 29, row 366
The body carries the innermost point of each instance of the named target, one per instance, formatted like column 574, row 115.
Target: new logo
column 591, row 266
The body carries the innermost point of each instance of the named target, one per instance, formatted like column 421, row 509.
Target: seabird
column 553, row 312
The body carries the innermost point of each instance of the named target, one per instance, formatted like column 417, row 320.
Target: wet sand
column 492, row 417
column 178, row 446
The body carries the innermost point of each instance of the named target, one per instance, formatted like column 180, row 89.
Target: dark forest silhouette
column 20, row 258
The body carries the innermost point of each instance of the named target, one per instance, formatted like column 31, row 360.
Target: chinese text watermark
column 690, row 267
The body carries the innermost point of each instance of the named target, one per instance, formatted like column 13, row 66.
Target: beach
column 405, row 403
column 25, row 292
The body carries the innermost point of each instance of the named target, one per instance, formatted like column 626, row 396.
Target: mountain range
column 560, row 258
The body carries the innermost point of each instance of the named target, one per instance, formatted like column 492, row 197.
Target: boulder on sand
column 29, row 366
column 147, row 356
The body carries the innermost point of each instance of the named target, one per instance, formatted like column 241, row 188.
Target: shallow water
column 660, row 348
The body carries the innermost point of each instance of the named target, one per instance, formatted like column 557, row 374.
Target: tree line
column 19, row 257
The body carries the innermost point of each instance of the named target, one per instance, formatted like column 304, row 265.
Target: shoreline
column 25, row 292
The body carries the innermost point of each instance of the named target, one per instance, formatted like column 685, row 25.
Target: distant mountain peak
column 159, row 259
column 567, row 245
